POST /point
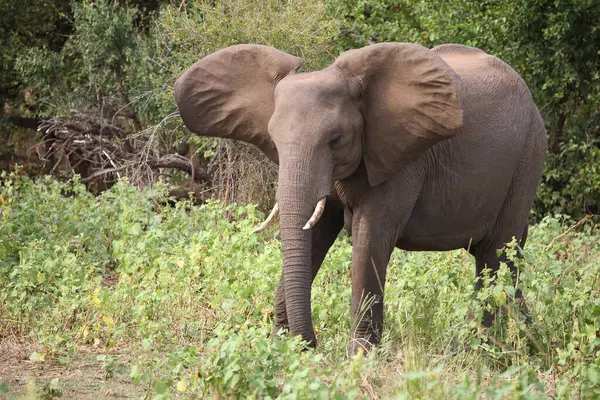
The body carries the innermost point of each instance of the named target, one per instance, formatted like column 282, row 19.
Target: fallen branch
column 103, row 152
column 101, row 173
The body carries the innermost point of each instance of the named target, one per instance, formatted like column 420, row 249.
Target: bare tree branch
column 102, row 152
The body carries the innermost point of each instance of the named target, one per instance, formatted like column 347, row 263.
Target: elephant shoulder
column 471, row 63
column 456, row 48
column 464, row 58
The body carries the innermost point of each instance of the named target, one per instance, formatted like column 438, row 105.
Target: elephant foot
column 359, row 345
column 310, row 339
column 524, row 310
column 489, row 317
column 279, row 329
column 311, row 342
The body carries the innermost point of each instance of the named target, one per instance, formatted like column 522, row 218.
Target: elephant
column 409, row 147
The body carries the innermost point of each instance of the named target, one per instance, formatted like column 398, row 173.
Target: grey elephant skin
column 409, row 147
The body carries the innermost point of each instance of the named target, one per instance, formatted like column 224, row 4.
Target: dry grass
column 244, row 175
column 82, row 377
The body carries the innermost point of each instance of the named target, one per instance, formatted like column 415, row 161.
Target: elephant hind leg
column 486, row 257
column 515, row 273
column 513, row 218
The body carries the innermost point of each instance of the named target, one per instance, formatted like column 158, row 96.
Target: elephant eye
column 335, row 141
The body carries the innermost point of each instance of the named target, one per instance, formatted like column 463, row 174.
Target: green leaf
column 135, row 371
column 234, row 380
column 161, row 386
column 135, row 229
column 147, row 344
column 35, row 356
column 592, row 374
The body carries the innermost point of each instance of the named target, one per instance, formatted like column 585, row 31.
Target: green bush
column 104, row 67
column 111, row 63
column 188, row 295
column 26, row 25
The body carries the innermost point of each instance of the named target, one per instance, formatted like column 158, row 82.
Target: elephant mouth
column 319, row 208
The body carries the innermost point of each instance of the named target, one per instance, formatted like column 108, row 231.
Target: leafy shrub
column 25, row 25
column 188, row 293
column 101, row 67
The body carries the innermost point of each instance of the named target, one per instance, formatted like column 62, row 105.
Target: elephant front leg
column 324, row 234
column 372, row 245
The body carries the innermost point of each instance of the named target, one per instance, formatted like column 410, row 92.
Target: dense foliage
column 117, row 61
column 112, row 61
column 188, row 295
column 26, row 25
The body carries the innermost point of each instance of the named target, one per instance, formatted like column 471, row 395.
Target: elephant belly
column 455, row 229
column 459, row 205
column 437, row 243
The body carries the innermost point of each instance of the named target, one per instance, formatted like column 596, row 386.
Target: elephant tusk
column 320, row 207
column 269, row 219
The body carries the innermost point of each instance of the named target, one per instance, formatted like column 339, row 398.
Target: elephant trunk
column 300, row 189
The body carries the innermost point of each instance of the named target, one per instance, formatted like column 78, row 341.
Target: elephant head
column 384, row 105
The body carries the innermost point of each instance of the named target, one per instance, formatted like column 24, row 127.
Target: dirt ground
column 80, row 377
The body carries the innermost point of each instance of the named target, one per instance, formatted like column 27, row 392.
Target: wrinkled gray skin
column 414, row 148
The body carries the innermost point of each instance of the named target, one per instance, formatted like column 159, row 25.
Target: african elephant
column 415, row 148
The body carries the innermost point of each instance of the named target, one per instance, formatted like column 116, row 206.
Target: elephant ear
column 411, row 100
column 230, row 93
